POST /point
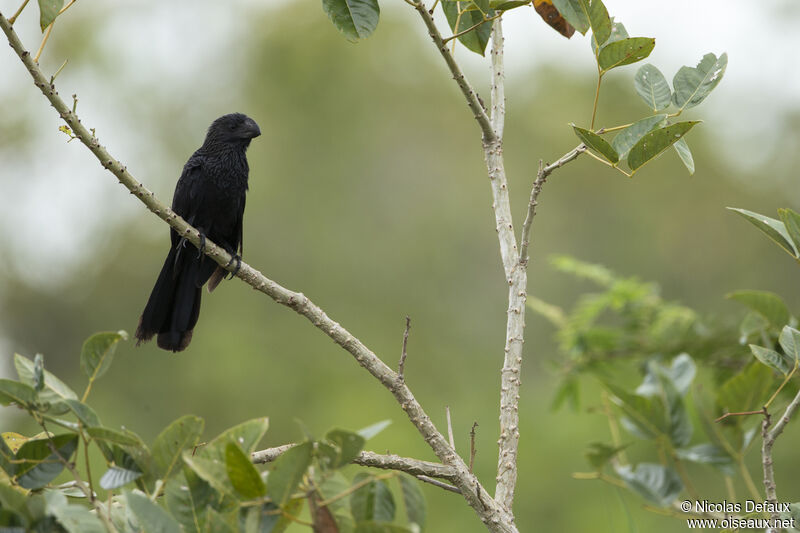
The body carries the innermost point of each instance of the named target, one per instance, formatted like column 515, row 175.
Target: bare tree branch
column 768, row 441
column 401, row 366
column 496, row 518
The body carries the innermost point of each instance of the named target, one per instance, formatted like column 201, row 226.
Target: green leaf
column 596, row 143
column 596, row 12
column 373, row 501
column 287, row 472
column 16, row 392
column 115, row 477
column 681, row 374
column 791, row 221
column 774, row 229
column 652, row 86
column 475, row 40
column 112, row 436
column 481, row 5
column 54, row 390
column 745, row 391
column 414, row 501
column 370, row 526
column 38, row 464
column 655, row 142
column 6, row 458
column 217, row 522
column 247, row 434
column 372, row 430
column 82, row 412
column 98, row 352
column 627, row 138
column 646, row 415
column 765, row 303
column 599, row 454
column 347, row 446
column 187, row 497
column 790, row 342
column 151, row 517
column 48, row 11
column 244, row 477
column 685, row 154
column 73, row 518
column 656, row 483
column 693, row 84
column 505, row 5
column 709, row 454
column 356, row 19
column 624, row 52
column 680, row 425
column 573, row 13
column 771, row 358
column 183, row 433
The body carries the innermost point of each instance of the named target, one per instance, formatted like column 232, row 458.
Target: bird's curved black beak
column 252, row 128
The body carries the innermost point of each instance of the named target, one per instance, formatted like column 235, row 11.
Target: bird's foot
column 238, row 260
column 202, row 249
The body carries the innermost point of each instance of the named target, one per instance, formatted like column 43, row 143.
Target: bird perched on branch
column 210, row 196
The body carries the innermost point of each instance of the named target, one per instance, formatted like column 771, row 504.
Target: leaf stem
column 596, row 96
column 44, row 41
column 15, row 15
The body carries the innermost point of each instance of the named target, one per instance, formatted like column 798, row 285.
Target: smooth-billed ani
column 210, row 196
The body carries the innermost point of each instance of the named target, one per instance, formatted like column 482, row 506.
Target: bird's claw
column 202, row 248
column 237, row 258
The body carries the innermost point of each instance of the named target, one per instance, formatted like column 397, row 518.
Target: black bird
column 210, row 196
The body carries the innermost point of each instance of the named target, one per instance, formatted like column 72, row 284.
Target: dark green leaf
column 98, row 352
column 247, row 434
column 54, row 389
column 347, row 445
column 372, row 430
column 287, row 472
column 116, row 477
column 767, row 304
column 790, row 342
column 39, row 463
column 183, row 433
column 599, row 454
column 708, row 454
column 645, row 414
column 112, row 436
column 243, row 475
column 656, row 483
column 791, row 221
column 372, row 502
column 685, row 154
column 475, row 40
column 745, row 391
column 217, row 522
column 693, row 84
column 681, row 374
column 356, row 19
column 596, row 144
column 655, row 142
column 48, row 11
column 414, row 501
column 652, row 86
column 573, row 13
column 680, row 425
column 599, row 20
column 627, row 138
column 6, row 458
column 16, row 392
column 188, row 496
column 82, row 412
column 624, row 52
column 774, row 229
column 151, row 517
column 73, row 518
column 505, row 5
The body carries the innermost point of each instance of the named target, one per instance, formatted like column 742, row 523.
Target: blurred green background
column 368, row 194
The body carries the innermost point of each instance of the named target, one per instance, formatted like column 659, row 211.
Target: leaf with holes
column 693, row 84
column 653, row 88
column 628, row 137
column 655, row 142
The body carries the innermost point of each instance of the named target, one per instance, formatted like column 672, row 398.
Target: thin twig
column 13, row 18
column 472, row 449
column 401, row 366
column 44, row 41
column 474, row 26
column 450, row 428
column 761, row 411
column 767, row 441
column 440, row 484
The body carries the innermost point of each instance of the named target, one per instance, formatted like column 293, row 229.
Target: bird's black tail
column 174, row 304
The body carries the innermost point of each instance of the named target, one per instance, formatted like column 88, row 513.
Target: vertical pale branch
column 767, row 443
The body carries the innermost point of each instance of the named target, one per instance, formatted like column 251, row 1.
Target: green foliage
column 48, row 11
column 180, row 483
column 783, row 232
column 463, row 15
column 356, row 19
column 596, row 143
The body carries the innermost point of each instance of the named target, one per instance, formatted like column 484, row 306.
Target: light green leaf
column 73, row 518
column 356, row 19
column 596, row 144
column 652, row 86
column 54, row 389
column 624, row 52
column 745, row 391
column 767, row 304
column 414, row 501
column 596, row 12
column 16, row 392
column 83, row 412
column 180, row 435
column 627, row 138
column 372, row 430
column 790, row 342
column 771, row 358
column 151, row 517
column 709, row 454
column 685, row 154
column 475, row 40
column 693, row 85
column 791, row 221
column 247, row 434
column 48, row 11
column 505, row 5
column 98, row 352
column 115, row 477
column 347, row 446
column 655, row 142
column 38, row 464
column 112, row 436
column 573, row 13
column 774, row 229
column 655, row 483
column 681, row 373
column 599, row 454
column 243, row 475
column 373, row 501
column 287, row 472
column 645, row 414
column 188, row 496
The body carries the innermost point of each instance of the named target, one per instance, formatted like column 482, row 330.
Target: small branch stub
column 401, row 366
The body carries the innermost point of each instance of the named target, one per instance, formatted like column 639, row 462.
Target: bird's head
column 233, row 128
